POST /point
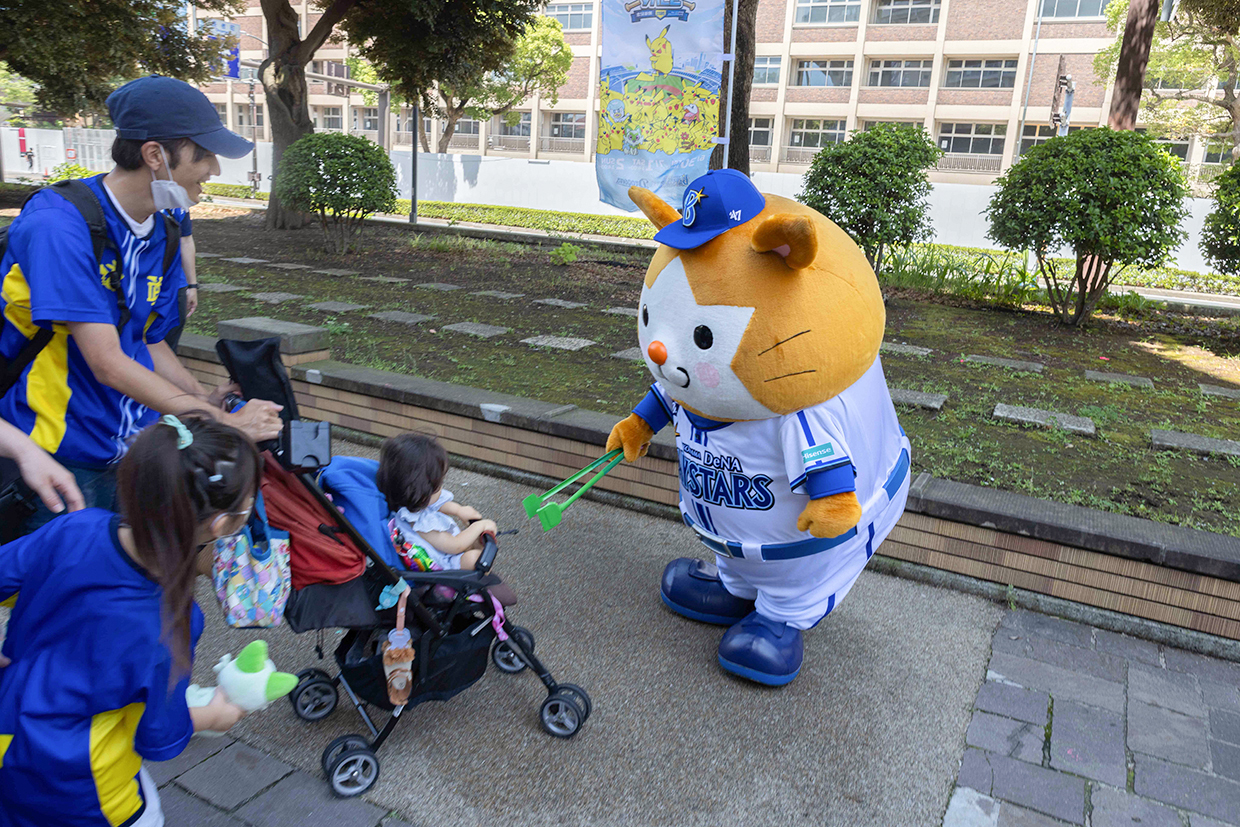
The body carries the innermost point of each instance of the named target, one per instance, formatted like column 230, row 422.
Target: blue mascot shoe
column 762, row 650
column 692, row 588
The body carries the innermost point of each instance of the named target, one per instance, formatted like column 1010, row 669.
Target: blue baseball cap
column 156, row 108
column 714, row 203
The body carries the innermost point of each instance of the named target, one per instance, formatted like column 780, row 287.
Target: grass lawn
column 1116, row 471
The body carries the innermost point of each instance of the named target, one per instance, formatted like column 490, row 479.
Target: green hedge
column 549, row 220
column 233, row 191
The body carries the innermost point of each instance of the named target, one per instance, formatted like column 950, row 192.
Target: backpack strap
column 173, row 245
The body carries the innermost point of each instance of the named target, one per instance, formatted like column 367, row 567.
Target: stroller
column 458, row 621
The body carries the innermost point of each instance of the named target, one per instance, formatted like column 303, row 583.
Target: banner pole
column 727, row 135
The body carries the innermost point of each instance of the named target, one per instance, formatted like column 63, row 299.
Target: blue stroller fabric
column 351, row 482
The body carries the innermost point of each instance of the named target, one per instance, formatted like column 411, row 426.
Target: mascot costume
column 761, row 321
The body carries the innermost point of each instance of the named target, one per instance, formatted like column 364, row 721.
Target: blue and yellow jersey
column 49, row 276
column 87, row 695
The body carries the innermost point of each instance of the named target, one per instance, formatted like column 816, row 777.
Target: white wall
column 48, row 146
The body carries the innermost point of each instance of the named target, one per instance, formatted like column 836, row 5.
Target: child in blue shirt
column 102, row 632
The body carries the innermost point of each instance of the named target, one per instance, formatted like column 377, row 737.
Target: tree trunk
column 1134, row 53
column 738, row 139
column 452, row 115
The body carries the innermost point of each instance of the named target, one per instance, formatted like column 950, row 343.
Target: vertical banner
column 658, row 96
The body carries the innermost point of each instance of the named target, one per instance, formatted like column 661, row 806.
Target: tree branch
column 322, row 29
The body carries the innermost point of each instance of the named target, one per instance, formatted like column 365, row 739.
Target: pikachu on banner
column 658, row 96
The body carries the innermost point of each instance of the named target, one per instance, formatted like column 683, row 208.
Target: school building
column 980, row 75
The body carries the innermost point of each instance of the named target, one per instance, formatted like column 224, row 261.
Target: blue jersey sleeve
column 653, row 410
column 187, row 223
column 52, row 245
column 17, row 560
column 816, row 455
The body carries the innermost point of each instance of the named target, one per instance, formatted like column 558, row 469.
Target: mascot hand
column 830, row 516
column 631, row 434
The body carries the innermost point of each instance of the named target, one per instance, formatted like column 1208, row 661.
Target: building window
column 1176, row 146
column 370, row 118
column 331, row 118
column 807, row 133
column 1073, row 8
column 766, row 70
column 522, row 128
column 900, row 72
column 972, row 138
column 980, row 74
column 466, row 126
column 824, row 73
column 243, row 114
column 568, row 124
column 1037, row 134
column 221, row 109
column 760, row 131
column 1218, row 150
column 572, row 16
column 906, row 11
column 828, row 11
column 908, row 124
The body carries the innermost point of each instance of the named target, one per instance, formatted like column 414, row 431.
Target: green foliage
column 233, row 191
column 342, row 178
column 549, row 220
column 565, row 254
column 1113, row 198
column 76, row 53
column 1220, row 238
column 999, row 280
column 875, row 187
column 1128, row 305
column 67, row 170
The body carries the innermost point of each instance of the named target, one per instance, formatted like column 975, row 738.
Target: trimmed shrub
column 1220, row 238
column 67, row 170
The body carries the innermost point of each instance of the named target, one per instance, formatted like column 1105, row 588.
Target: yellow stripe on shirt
column 47, row 383
column 114, row 764
column 16, row 293
column 5, row 740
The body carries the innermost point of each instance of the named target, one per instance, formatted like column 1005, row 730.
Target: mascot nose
column 658, row 352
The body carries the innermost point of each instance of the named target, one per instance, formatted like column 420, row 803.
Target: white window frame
column 894, row 10
column 1219, row 145
column 800, row 130
column 755, row 128
column 899, row 69
column 977, row 135
column 330, row 113
column 826, row 66
column 521, row 130
column 829, row 12
column 573, row 17
column 572, row 122
column 466, row 126
column 1071, row 9
column 1036, row 134
column 766, row 64
column 1001, row 68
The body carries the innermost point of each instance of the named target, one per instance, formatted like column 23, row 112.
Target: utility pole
column 1134, row 54
column 255, row 178
column 413, row 166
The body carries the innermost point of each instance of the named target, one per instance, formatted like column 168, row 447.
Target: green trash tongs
column 549, row 513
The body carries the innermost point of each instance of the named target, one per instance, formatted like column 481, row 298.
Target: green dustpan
column 550, row 513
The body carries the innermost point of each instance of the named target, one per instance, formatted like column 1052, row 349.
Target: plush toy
column 250, row 681
column 761, row 321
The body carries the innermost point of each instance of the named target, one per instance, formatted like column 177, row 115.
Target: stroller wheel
column 353, row 772
column 579, row 695
column 313, row 699
column 307, row 674
column 561, row 715
column 506, row 658
column 339, row 746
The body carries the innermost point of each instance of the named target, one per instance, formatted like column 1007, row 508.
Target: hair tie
column 184, row 437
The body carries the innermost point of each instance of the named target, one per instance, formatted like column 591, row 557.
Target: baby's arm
column 462, row 512
column 460, row 543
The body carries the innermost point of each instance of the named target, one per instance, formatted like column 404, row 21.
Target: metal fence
column 799, row 154
column 569, row 146
column 759, row 154
column 509, row 143
column 94, row 147
column 968, row 162
column 463, row 141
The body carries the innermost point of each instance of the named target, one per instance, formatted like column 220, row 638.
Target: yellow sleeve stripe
column 16, row 294
column 114, row 763
column 5, row 740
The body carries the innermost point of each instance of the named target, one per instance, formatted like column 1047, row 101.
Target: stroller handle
column 489, row 549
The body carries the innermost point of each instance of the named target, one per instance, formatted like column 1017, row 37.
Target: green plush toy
column 250, row 681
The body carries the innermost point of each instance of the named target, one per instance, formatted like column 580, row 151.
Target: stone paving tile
column 1005, row 736
column 395, row 822
column 385, row 279
column 284, row 265
column 1216, row 390
column 1022, row 415
column 1120, row 808
column 558, row 342
column 1062, row 684
column 337, row 307
column 216, row 287
column 975, row 772
column 331, row 271
column 1047, row 791
column 1170, row 690
column 484, row 331
column 438, row 285
column 275, row 298
column 1195, row 820
column 1225, row 726
column 1221, row 696
column 622, row 311
column 301, row 800
column 918, row 399
column 207, row 255
column 244, row 260
column 1013, row 364
column 200, row 748
column 497, row 294
column 1014, row 702
column 633, row 354
column 1169, row 735
column 1098, row 664
column 400, row 316
column 1193, row 442
column 1090, row 742
column 1051, row 628
column 183, row 810
column 1190, row 789
column 1119, row 379
column 1011, row 815
column 233, row 775
column 1211, row 669
column 904, row 350
column 969, row 808
column 1225, row 760
column 560, row 303
column 1127, row 647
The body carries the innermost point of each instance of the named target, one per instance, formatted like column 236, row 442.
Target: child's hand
column 486, row 527
column 468, row 513
column 218, row 716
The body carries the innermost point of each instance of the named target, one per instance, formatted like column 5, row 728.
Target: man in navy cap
column 86, row 311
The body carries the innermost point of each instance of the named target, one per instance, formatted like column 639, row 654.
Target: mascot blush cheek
column 761, row 321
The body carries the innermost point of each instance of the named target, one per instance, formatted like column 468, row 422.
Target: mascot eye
column 702, row 337
column 645, row 316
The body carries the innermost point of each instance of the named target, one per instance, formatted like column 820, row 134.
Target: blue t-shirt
column 87, row 694
column 50, row 276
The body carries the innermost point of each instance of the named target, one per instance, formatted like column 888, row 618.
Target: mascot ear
column 655, row 208
column 792, row 236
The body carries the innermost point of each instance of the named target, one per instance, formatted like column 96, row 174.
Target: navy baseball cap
column 156, row 108
column 714, row 203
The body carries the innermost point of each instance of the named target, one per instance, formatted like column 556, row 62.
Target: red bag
column 315, row 556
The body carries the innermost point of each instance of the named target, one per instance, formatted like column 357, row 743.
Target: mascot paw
column 830, row 516
column 633, row 435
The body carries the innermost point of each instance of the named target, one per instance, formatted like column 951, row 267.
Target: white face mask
column 168, row 194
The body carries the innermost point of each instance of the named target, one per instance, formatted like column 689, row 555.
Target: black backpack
column 16, row 500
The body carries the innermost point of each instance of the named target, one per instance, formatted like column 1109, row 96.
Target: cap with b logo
column 714, row 203
column 156, row 108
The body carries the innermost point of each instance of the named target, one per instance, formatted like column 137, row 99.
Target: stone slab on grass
column 633, row 354
column 216, row 287
column 288, row 265
column 207, row 255
column 1082, row 425
column 1012, row 364
column 560, row 303
column 1193, row 442
column 337, row 307
column 485, row 331
column 622, row 311
column 245, row 260
column 439, row 285
column 400, row 317
column 497, row 294
column 1216, row 390
column 905, row 350
column 1120, row 379
column 234, row 775
column 385, row 279
column 918, row 399
column 276, row 298
column 302, row 800
column 334, row 272
column 558, row 342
